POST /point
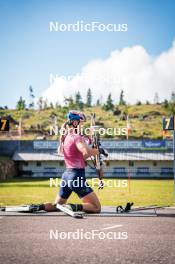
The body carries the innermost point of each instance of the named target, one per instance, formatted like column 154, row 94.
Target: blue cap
column 72, row 116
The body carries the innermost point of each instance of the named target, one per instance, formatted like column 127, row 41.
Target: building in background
column 136, row 159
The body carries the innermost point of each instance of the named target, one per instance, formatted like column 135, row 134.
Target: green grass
column 142, row 192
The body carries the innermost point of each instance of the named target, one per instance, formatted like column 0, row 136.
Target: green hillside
column 145, row 120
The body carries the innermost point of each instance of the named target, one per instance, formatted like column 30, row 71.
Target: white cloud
column 132, row 69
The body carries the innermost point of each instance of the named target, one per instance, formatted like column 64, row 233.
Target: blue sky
column 29, row 52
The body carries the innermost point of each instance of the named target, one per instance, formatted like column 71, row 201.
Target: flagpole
column 174, row 159
column 127, row 138
column 20, row 127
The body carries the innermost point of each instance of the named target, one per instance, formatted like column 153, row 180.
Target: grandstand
column 127, row 158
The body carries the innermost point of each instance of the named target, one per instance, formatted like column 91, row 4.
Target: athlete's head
column 75, row 117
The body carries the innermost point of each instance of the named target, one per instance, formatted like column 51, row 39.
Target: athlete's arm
column 85, row 150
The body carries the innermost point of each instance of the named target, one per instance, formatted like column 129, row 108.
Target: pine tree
column 78, row 101
column 166, row 103
column 89, row 98
column 109, row 103
column 69, row 102
column 57, row 105
column 98, row 102
column 40, row 103
column 172, row 97
column 77, row 98
column 21, row 105
column 121, row 100
column 45, row 103
column 156, row 98
column 32, row 97
column 51, row 105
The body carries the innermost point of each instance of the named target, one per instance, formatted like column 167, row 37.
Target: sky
column 141, row 60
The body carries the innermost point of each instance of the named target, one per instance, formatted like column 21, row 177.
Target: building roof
column 140, row 156
column 19, row 156
column 34, row 156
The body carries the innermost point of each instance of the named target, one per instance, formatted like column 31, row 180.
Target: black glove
column 103, row 152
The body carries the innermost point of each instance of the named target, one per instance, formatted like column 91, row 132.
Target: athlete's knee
column 97, row 208
column 60, row 200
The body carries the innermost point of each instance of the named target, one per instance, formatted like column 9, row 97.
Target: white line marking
column 111, row 227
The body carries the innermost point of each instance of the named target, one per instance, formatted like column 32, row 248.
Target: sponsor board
column 154, row 144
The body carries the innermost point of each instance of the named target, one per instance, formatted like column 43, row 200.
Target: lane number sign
column 4, row 125
column 168, row 123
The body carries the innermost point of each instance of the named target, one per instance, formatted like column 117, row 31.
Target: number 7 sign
column 168, row 123
column 4, row 125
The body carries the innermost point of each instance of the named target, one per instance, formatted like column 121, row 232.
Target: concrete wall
column 8, row 169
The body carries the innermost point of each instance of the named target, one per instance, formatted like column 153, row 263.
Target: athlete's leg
column 62, row 196
column 91, row 203
column 89, row 199
column 60, row 200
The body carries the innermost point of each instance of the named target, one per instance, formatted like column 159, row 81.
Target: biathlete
column 75, row 151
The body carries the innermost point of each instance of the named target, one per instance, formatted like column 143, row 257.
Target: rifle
column 97, row 160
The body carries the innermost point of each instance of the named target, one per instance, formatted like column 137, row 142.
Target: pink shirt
column 72, row 156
